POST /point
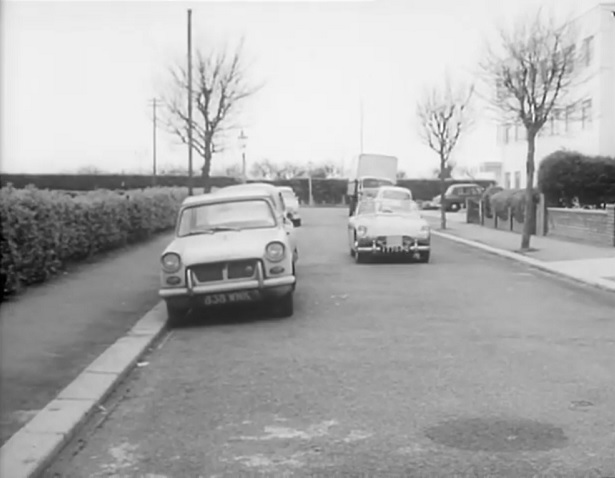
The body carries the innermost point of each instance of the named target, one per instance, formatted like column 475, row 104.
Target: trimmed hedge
column 44, row 230
column 325, row 191
column 512, row 200
column 565, row 177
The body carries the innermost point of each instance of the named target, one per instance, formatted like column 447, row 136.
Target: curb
column 32, row 448
column 597, row 282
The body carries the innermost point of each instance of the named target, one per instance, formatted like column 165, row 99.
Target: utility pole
column 361, row 129
column 189, row 102
column 154, row 102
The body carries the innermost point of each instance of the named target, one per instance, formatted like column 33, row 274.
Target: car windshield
column 228, row 215
column 396, row 195
column 398, row 207
column 376, row 183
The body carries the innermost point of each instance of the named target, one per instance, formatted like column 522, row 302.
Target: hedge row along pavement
column 325, row 191
column 42, row 230
column 568, row 178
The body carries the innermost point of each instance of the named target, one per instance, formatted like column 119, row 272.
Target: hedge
column 565, row 177
column 42, row 230
column 325, row 191
column 512, row 200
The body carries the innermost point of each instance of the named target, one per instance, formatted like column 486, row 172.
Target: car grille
column 218, row 271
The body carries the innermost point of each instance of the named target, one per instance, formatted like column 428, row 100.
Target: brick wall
column 589, row 226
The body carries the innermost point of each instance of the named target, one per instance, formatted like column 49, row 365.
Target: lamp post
column 243, row 139
column 311, row 196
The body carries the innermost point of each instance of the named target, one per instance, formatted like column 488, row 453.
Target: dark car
column 456, row 195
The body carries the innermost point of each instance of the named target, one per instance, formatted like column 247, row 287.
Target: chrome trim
column 228, row 287
column 260, row 274
column 189, row 281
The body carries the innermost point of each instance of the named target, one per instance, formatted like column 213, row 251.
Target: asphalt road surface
column 469, row 366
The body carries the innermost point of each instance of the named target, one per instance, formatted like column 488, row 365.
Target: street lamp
column 243, row 140
column 311, row 196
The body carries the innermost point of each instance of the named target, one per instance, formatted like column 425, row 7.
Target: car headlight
column 171, row 262
column 362, row 231
column 275, row 251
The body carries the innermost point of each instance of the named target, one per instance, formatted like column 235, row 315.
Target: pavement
column 469, row 366
column 589, row 264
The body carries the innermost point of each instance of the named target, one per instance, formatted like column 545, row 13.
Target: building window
column 506, row 133
column 569, row 117
column 571, row 58
column 586, row 114
column 588, row 50
column 517, row 179
column 507, row 180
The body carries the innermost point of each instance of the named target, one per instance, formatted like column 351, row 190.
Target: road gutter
column 33, row 447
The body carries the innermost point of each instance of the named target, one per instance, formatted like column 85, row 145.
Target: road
column 469, row 366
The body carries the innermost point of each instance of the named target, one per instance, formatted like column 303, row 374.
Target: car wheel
column 361, row 257
column 297, row 222
column 284, row 307
column 175, row 315
column 454, row 207
column 424, row 256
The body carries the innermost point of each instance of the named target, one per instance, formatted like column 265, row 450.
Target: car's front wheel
column 424, row 256
column 175, row 315
column 284, row 307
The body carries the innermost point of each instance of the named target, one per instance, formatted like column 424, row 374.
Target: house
column 586, row 123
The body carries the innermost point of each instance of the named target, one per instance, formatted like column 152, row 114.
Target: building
column 587, row 122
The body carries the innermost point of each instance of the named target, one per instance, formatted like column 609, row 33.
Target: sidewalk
column 52, row 332
column 587, row 263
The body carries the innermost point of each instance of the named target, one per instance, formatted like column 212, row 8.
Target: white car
column 388, row 228
column 280, row 207
column 229, row 247
column 292, row 204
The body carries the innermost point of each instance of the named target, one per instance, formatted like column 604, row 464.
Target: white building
column 587, row 123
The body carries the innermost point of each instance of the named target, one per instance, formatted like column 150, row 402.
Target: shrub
column 43, row 230
column 486, row 198
column 513, row 200
column 565, row 177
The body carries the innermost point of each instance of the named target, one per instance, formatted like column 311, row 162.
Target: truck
column 367, row 173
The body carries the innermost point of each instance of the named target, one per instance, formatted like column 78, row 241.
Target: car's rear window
column 245, row 214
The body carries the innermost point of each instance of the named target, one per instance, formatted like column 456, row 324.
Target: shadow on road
column 229, row 315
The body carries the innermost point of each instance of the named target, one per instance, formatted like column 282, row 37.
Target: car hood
column 226, row 245
column 392, row 223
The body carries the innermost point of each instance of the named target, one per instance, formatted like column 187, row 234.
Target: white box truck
column 367, row 173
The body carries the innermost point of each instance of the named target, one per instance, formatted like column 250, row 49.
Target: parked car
column 279, row 203
column 382, row 228
column 292, row 204
column 456, row 195
column 230, row 247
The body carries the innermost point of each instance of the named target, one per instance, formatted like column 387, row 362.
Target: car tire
column 454, row 207
column 175, row 315
column 284, row 307
column 297, row 222
column 424, row 257
column 361, row 257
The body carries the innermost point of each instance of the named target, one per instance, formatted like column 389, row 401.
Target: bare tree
column 446, row 172
column 443, row 115
column 529, row 74
column 327, row 170
column 265, row 169
column 220, row 86
column 401, row 174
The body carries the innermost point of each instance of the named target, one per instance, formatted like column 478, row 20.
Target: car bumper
column 267, row 288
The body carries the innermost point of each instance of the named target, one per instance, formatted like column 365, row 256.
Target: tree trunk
column 528, row 215
column 206, row 170
column 442, row 191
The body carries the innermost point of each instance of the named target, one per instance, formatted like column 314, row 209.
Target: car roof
column 393, row 188
column 221, row 194
column 286, row 188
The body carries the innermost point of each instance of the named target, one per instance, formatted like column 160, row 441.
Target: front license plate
column 230, row 298
column 394, row 241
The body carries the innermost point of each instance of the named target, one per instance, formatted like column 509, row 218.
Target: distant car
column 456, row 195
column 431, row 205
column 381, row 228
column 280, row 206
column 292, row 204
column 230, row 247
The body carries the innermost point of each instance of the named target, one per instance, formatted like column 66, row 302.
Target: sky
column 77, row 78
